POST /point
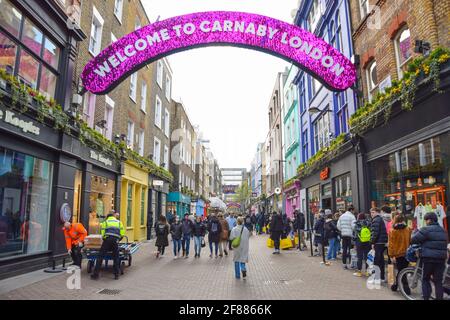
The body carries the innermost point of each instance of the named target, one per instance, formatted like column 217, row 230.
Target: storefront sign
column 325, row 173
column 160, row 39
column 26, row 126
column 65, row 213
column 96, row 156
column 158, row 183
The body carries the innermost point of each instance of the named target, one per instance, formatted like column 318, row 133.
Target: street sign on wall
column 155, row 41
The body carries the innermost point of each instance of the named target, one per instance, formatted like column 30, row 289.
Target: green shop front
column 178, row 203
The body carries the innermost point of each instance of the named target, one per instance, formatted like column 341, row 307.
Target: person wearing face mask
column 176, row 233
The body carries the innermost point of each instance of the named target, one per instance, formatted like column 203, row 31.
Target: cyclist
column 433, row 240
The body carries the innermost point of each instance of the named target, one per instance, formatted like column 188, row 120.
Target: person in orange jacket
column 74, row 234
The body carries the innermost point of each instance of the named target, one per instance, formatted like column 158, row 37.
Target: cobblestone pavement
column 290, row 275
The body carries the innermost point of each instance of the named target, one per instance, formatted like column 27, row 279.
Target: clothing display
column 419, row 213
column 440, row 212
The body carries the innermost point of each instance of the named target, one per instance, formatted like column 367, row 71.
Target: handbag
column 237, row 241
column 203, row 244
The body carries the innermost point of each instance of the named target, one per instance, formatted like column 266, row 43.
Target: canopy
column 217, row 203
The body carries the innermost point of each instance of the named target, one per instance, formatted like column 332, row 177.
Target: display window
column 413, row 180
column 343, row 192
column 101, row 201
column 25, row 202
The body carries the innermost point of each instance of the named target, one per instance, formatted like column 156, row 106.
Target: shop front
column 408, row 166
column 179, row 203
column 292, row 199
column 133, row 201
column 157, row 201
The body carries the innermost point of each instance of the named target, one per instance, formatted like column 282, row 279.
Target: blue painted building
column 323, row 114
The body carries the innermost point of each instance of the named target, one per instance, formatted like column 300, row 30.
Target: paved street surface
column 291, row 275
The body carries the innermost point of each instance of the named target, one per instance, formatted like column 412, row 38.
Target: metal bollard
column 53, row 269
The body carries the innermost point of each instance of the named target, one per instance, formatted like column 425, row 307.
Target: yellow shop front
column 133, row 203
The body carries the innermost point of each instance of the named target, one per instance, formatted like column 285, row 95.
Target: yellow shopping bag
column 264, row 229
column 285, row 243
column 296, row 240
column 270, row 243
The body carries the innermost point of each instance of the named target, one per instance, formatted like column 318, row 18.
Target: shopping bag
column 203, row 243
column 270, row 243
column 370, row 257
column 264, row 229
column 296, row 241
column 285, row 243
column 391, row 274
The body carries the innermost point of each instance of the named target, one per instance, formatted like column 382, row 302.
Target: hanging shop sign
column 325, row 173
column 100, row 158
column 65, row 213
column 216, row 28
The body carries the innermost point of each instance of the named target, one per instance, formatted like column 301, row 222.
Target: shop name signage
column 325, row 173
column 101, row 159
column 272, row 36
column 26, row 126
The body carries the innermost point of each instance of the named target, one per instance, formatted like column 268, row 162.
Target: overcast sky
column 225, row 90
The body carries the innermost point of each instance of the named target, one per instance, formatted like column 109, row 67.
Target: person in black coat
column 319, row 233
column 379, row 238
column 299, row 227
column 433, row 240
column 331, row 233
column 176, row 232
column 276, row 230
column 162, row 236
column 198, row 232
column 214, row 231
column 187, row 226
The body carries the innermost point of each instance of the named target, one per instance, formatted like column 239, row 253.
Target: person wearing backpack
column 362, row 242
column 399, row 238
column 240, row 253
column 214, row 231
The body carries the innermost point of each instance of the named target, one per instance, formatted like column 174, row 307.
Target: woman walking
column 362, row 242
column 176, row 232
column 223, row 241
column 276, row 230
column 240, row 256
column 162, row 235
column 214, row 231
column 199, row 233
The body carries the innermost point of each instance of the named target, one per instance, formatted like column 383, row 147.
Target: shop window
column 143, row 192
column 77, row 196
column 413, row 176
column 372, row 79
column 8, row 51
column 101, row 201
column 25, row 202
column 343, row 192
column 129, row 205
column 403, row 52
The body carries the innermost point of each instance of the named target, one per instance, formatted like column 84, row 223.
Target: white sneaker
column 377, row 282
column 175, row 258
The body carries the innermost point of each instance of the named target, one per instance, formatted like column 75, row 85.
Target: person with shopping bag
column 276, row 230
column 240, row 241
column 199, row 234
column 399, row 238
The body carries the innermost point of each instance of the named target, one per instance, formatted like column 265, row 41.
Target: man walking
column 379, row 238
column 345, row 225
column 112, row 231
column 433, row 240
column 187, row 228
column 74, row 234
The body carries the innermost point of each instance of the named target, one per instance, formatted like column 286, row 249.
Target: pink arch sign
column 252, row 31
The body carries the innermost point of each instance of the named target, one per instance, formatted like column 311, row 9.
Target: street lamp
column 314, row 110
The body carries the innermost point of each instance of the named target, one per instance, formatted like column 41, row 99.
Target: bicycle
column 413, row 276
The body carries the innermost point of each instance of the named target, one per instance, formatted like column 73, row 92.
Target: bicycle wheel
column 413, row 291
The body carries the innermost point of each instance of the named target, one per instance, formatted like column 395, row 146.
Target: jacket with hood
column 399, row 239
column 330, row 229
column 359, row 224
column 433, row 240
column 346, row 223
column 214, row 236
column 276, row 225
column 187, row 227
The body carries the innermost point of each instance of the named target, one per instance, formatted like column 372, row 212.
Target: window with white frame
column 315, row 86
column 141, row 138
column 322, row 131
column 335, row 33
column 109, row 116
column 144, row 97
column 113, row 38
column 157, row 151
column 89, row 109
column 158, row 112
column 133, row 86
column 364, row 8
column 130, row 134
column 168, row 88
column 314, row 15
column 95, row 40
column 403, row 50
column 167, row 123
column 159, row 73
column 372, row 79
column 118, row 9
column 166, row 157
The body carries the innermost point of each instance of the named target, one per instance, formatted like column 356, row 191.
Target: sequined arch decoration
column 218, row 28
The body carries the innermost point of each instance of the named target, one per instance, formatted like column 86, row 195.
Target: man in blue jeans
column 187, row 228
column 379, row 238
